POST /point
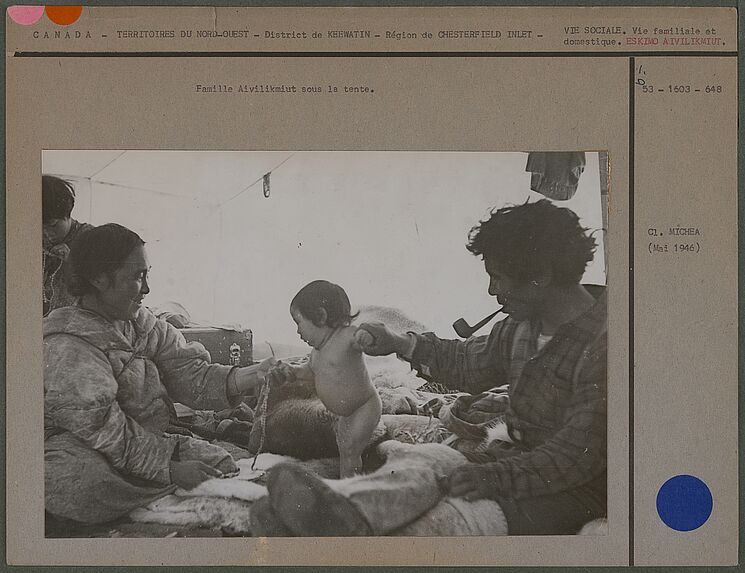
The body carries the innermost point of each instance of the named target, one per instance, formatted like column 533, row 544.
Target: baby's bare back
column 341, row 378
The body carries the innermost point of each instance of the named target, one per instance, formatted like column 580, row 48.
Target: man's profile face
column 519, row 299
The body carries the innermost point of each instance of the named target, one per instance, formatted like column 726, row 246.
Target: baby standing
column 322, row 313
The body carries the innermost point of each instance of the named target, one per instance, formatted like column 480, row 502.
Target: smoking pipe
column 464, row 330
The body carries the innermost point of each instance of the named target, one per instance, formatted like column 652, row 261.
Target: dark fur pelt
column 302, row 428
column 298, row 424
column 298, row 390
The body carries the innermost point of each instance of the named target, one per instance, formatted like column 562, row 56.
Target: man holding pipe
column 547, row 469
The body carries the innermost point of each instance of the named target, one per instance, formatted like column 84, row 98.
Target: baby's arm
column 283, row 372
column 302, row 371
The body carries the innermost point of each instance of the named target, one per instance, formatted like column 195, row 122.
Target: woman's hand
column 280, row 373
column 190, row 474
column 265, row 365
column 471, row 482
column 247, row 378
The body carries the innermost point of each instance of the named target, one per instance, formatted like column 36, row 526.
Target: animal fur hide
column 595, row 527
column 230, row 515
column 216, row 503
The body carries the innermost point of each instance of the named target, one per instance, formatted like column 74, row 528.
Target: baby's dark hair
column 526, row 240
column 57, row 198
column 320, row 296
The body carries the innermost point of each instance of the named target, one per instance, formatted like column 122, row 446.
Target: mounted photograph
column 324, row 343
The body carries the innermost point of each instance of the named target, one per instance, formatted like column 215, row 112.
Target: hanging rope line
column 261, row 418
column 263, row 179
column 90, row 178
column 261, row 409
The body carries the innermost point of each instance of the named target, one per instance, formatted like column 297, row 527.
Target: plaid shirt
column 557, row 398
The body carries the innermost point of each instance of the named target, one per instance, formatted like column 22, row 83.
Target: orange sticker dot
column 63, row 15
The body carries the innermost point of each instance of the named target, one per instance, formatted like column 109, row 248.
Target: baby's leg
column 353, row 434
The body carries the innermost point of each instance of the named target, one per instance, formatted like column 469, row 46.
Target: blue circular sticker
column 684, row 503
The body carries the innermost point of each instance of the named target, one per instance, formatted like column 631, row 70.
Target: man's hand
column 189, row 475
column 376, row 339
column 471, row 482
column 363, row 339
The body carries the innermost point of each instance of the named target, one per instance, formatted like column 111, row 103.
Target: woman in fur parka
column 111, row 374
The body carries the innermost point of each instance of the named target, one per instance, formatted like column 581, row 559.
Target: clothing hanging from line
column 555, row 174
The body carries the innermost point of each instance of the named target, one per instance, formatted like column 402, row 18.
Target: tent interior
column 233, row 235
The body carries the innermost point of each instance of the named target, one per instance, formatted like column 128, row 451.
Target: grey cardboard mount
column 654, row 87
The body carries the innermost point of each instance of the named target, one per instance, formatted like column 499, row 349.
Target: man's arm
column 572, row 457
column 473, row 365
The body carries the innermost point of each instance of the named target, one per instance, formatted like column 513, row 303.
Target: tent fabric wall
column 181, row 234
column 390, row 227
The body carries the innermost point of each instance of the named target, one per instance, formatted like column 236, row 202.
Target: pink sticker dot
column 25, row 15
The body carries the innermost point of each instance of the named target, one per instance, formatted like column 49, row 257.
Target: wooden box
column 234, row 347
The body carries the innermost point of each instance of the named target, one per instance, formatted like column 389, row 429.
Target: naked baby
column 322, row 313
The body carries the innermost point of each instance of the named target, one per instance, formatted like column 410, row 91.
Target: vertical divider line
column 632, row 112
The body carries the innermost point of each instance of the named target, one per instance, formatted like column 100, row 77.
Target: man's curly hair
column 527, row 240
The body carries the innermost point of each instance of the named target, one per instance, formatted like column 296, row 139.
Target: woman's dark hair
column 323, row 295
column 96, row 251
column 57, row 198
column 525, row 241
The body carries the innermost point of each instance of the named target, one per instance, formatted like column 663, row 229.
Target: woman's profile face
column 120, row 294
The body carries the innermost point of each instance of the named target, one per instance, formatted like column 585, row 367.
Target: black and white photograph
column 324, row 343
